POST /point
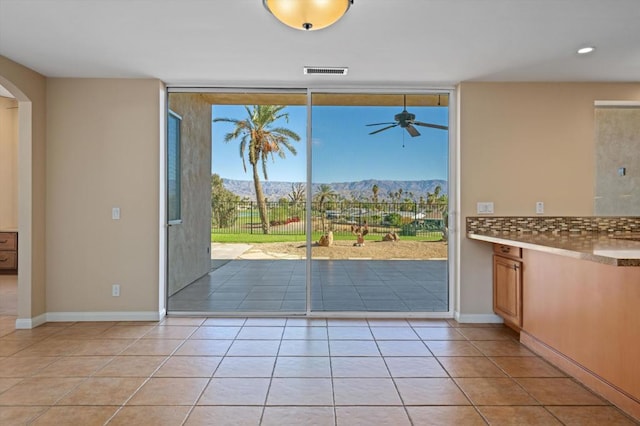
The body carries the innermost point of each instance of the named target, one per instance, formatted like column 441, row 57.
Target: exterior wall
column 29, row 88
column 521, row 143
column 103, row 151
column 8, row 163
column 190, row 241
column 617, row 145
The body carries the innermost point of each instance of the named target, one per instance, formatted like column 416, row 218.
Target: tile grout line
column 273, row 370
column 85, row 379
column 333, row 386
column 472, row 404
column 36, row 417
column 149, row 377
column 518, row 383
column 513, row 379
column 195, row 403
column 393, row 379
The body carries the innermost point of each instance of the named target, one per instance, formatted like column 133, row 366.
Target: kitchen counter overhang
column 616, row 250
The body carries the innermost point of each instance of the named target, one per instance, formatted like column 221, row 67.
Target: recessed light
column 585, row 50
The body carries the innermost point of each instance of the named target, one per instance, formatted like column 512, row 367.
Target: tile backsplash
column 553, row 224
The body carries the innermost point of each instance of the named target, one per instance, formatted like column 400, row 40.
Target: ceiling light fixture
column 585, row 50
column 308, row 14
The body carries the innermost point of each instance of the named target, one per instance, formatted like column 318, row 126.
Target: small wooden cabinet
column 507, row 284
column 9, row 252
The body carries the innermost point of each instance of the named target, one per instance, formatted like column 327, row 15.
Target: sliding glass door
column 380, row 202
column 353, row 219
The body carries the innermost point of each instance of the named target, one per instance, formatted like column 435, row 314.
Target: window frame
column 174, row 216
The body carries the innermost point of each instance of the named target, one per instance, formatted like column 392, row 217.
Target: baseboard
column 619, row 398
column 477, row 318
column 29, row 323
column 104, row 316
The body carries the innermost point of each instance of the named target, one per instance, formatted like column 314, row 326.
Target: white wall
column 521, row 143
column 102, row 152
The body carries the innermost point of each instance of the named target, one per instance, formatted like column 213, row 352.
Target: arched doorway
column 25, row 314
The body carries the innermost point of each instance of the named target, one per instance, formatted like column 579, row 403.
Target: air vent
column 326, row 70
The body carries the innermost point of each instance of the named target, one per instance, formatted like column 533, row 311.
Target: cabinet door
column 507, row 289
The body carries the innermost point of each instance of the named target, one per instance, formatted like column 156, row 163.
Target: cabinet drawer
column 504, row 250
column 8, row 260
column 8, row 241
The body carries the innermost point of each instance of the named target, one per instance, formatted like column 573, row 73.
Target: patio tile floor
column 337, row 285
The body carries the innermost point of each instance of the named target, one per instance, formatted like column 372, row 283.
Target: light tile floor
column 284, row 371
column 8, row 294
column 337, row 285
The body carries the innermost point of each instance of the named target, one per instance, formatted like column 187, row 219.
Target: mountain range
column 362, row 189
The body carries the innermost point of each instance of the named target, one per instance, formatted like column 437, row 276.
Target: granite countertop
column 618, row 250
column 8, row 230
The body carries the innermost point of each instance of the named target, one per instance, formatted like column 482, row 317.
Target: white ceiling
column 385, row 43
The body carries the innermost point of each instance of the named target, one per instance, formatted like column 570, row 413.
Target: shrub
column 394, row 219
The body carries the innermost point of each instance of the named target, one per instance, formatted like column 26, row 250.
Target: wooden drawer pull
column 4, row 241
column 4, row 260
column 505, row 249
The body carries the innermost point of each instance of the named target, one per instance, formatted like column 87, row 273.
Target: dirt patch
column 371, row 249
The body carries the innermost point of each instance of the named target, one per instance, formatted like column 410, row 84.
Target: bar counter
column 613, row 249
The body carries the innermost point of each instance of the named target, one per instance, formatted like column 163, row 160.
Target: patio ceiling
column 326, row 99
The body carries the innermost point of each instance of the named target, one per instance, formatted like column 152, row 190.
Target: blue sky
column 343, row 150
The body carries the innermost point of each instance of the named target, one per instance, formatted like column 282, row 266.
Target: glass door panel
column 254, row 207
column 379, row 202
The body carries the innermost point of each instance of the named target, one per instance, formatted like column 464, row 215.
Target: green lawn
column 261, row 238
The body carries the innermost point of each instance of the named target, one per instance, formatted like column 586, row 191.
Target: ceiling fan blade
column 412, row 131
column 384, row 128
column 433, row 126
column 379, row 124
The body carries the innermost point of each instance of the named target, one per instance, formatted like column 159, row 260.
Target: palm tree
column 421, row 202
column 375, row 189
column 436, row 192
column 260, row 140
column 324, row 193
column 433, row 197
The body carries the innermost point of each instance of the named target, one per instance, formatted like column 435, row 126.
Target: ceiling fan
column 406, row 120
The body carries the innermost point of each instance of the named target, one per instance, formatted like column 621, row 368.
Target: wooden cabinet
column 8, row 252
column 507, row 284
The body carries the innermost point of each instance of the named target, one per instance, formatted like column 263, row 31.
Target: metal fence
column 287, row 218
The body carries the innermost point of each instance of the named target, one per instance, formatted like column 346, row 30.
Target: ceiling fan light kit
column 308, row 14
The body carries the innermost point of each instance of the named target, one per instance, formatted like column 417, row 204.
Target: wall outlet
column 115, row 290
column 115, row 213
column 539, row 207
column 485, row 207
